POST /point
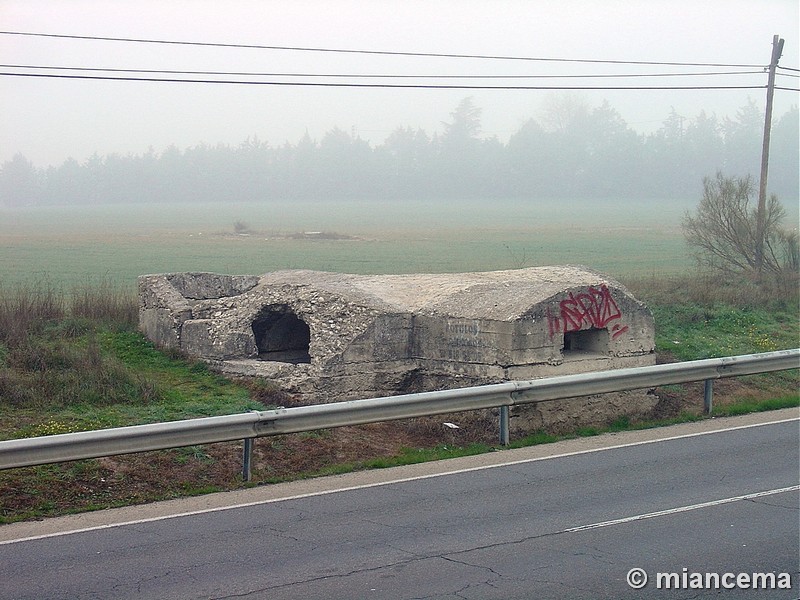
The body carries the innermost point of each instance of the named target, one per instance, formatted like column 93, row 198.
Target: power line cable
column 379, row 85
column 374, row 52
column 381, row 76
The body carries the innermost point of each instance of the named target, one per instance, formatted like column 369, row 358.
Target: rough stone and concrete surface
column 333, row 336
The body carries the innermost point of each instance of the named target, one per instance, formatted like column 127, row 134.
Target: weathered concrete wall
column 333, row 336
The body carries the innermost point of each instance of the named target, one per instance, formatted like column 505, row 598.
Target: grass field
column 72, row 244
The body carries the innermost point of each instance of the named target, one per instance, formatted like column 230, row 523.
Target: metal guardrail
column 245, row 426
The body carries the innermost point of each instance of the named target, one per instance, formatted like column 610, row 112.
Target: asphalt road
column 571, row 525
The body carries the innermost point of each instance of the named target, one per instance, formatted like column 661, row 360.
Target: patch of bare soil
column 321, row 235
column 329, row 236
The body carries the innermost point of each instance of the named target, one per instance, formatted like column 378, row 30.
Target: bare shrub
column 723, row 236
column 241, row 228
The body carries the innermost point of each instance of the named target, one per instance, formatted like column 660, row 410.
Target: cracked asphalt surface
column 478, row 533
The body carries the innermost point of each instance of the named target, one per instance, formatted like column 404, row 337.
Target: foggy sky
column 49, row 120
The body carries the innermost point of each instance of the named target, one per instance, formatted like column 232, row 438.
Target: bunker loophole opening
column 281, row 335
column 586, row 341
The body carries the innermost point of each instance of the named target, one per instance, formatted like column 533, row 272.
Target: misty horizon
column 644, row 58
column 574, row 150
column 539, row 116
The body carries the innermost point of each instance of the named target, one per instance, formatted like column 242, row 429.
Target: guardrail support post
column 504, row 416
column 247, row 458
column 708, row 396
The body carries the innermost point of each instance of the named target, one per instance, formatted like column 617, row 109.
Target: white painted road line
column 680, row 509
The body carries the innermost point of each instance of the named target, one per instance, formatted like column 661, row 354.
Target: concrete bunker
column 332, row 336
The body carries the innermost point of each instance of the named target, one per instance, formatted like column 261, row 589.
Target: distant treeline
column 572, row 150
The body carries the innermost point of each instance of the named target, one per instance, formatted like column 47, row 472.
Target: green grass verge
column 101, row 377
column 692, row 332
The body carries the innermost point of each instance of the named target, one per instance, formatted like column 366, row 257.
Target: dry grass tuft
column 707, row 289
column 105, row 302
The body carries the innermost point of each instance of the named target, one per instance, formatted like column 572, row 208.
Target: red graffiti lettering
column 593, row 308
column 618, row 331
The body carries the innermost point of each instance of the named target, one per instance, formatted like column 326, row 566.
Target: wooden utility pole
column 761, row 211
